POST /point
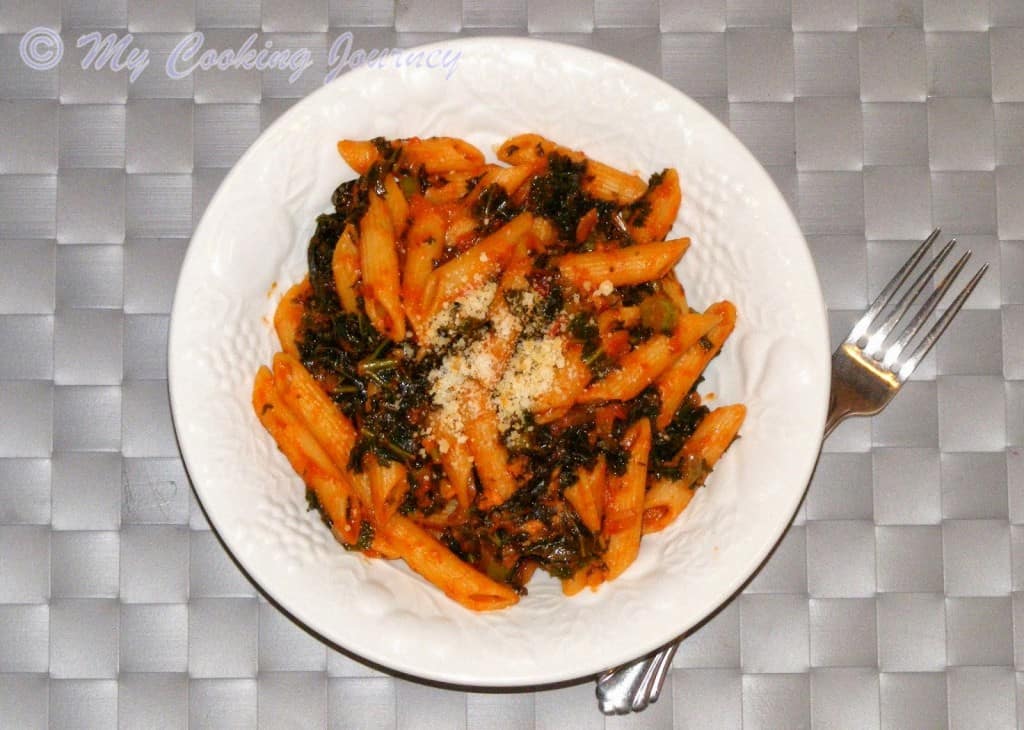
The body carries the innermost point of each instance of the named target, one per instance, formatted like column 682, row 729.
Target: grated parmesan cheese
column 513, row 389
column 506, row 325
column 529, row 374
column 472, row 305
column 448, row 383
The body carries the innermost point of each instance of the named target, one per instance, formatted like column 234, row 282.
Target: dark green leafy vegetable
column 365, row 540
column 668, row 442
column 313, row 503
column 557, row 194
column 583, row 328
column 659, row 313
column 494, row 208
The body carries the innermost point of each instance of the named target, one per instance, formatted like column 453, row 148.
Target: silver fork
column 868, row 369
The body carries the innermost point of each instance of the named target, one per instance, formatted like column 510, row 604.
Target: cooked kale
column 659, row 313
column 532, row 529
column 668, row 441
column 313, row 503
column 494, row 208
column 638, row 211
column 583, row 328
column 320, row 254
column 635, row 294
column 618, row 460
column 365, row 539
column 557, row 194
column 640, row 334
column 645, row 405
column 384, row 393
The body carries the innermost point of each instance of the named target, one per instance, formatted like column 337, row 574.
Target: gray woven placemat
column 891, row 601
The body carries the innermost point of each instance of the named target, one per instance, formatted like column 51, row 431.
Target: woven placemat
column 890, row 602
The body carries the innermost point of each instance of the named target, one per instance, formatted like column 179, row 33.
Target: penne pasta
column 360, row 156
column 607, row 183
column 586, row 495
column 602, row 181
column 439, row 565
column 655, row 212
column 493, row 390
column 511, row 179
column 542, row 234
column 623, row 267
column 623, row 509
column 570, row 382
column 345, row 267
column 668, row 497
column 388, row 487
column 648, row 361
column 288, row 315
column 424, row 246
column 300, row 391
column 663, row 502
column 309, row 460
column 457, row 461
column 525, row 149
column 454, row 187
column 475, row 266
column 676, row 382
column 441, row 155
column 398, row 206
column 497, row 482
column 714, row 434
column 379, row 262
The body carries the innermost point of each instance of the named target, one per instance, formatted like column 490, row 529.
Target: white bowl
column 747, row 247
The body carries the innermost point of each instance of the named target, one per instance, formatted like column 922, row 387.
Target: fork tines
column 873, row 338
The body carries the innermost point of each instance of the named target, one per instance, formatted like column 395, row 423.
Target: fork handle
column 838, row 409
column 632, row 687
